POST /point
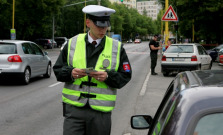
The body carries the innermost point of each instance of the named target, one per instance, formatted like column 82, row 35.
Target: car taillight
column 14, row 58
column 164, row 58
column 194, row 58
column 221, row 58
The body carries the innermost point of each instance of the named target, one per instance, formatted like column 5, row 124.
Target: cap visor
column 102, row 23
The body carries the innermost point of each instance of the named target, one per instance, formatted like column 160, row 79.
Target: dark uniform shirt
column 115, row 79
column 156, row 44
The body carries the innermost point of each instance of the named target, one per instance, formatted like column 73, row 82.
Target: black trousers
column 153, row 57
column 85, row 121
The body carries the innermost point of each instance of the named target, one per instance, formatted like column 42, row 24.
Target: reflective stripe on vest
column 104, row 96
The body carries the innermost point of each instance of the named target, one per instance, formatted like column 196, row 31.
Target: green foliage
column 35, row 19
column 207, row 19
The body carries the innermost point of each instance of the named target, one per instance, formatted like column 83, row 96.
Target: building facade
column 150, row 8
column 128, row 3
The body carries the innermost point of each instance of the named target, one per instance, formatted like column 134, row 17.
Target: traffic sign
column 170, row 15
column 13, row 34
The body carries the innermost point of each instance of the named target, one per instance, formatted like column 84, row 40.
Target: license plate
column 178, row 59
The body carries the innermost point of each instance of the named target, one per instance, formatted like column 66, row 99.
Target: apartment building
column 128, row 3
column 150, row 8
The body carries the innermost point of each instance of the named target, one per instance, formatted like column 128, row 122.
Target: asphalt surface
column 36, row 109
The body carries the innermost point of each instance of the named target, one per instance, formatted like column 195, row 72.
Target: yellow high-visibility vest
column 100, row 96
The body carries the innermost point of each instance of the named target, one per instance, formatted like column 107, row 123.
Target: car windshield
column 180, row 49
column 7, row 49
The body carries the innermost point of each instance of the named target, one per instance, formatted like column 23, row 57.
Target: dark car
column 60, row 41
column 192, row 105
column 214, row 52
column 45, row 43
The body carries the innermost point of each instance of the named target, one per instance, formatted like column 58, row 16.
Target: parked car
column 60, row 41
column 137, row 41
column 220, row 57
column 214, row 52
column 45, row 43
column 54, row 43
column 22, row 60
column 183, row 57
column 129, row 41
column 220, row 52
column 192, row 105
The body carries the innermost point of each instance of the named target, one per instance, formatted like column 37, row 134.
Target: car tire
column 199, row 67
column 210, row 66
column 48, row 71
column 26, row 76
column 165, row 73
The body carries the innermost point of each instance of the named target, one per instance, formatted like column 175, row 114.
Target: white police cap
column 98, row 14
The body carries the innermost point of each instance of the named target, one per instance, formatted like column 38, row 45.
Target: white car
column 185, row 57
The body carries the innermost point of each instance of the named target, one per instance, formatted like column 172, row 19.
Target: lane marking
column 55, row 84
column 143, row 90
column 127, row 134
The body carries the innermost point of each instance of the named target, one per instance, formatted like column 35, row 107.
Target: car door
column 205, row 58
column 41, row 61
column 201, row 57
column 31, row 60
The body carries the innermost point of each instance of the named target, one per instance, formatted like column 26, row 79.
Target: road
column 36, row 109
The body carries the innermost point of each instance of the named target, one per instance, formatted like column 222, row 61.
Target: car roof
column 14, row 41
column 187, row 44
column 206, row 77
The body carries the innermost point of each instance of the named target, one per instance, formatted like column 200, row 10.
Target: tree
column 32, row 19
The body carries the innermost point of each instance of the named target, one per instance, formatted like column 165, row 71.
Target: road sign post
column 169, row 15
column 13, row 34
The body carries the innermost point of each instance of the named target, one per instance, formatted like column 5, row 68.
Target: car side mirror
column 141, row 121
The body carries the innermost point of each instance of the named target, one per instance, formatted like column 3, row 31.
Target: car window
column 159, row 119
column 201, row 50
column 210, row 125
column 180, row 49
column 36, row 49
column 27, row 49
column 7, row 49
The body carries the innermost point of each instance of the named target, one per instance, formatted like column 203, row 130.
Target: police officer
column 154, row 47
column 93, row 66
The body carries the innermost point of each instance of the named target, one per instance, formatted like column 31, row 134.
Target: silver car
column 23, row 60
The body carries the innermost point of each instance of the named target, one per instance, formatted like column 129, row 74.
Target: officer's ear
column 88, row 22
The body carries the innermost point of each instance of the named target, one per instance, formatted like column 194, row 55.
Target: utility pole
column 166, row 24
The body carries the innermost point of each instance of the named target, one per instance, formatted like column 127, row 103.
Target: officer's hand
column 100, row 75
column 78, row 73
column 160, row 48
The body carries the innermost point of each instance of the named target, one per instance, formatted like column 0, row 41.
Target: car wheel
column 26, row 76
column 199, row 67
column 48, row 71
column 210, row 66
column 165, row 73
